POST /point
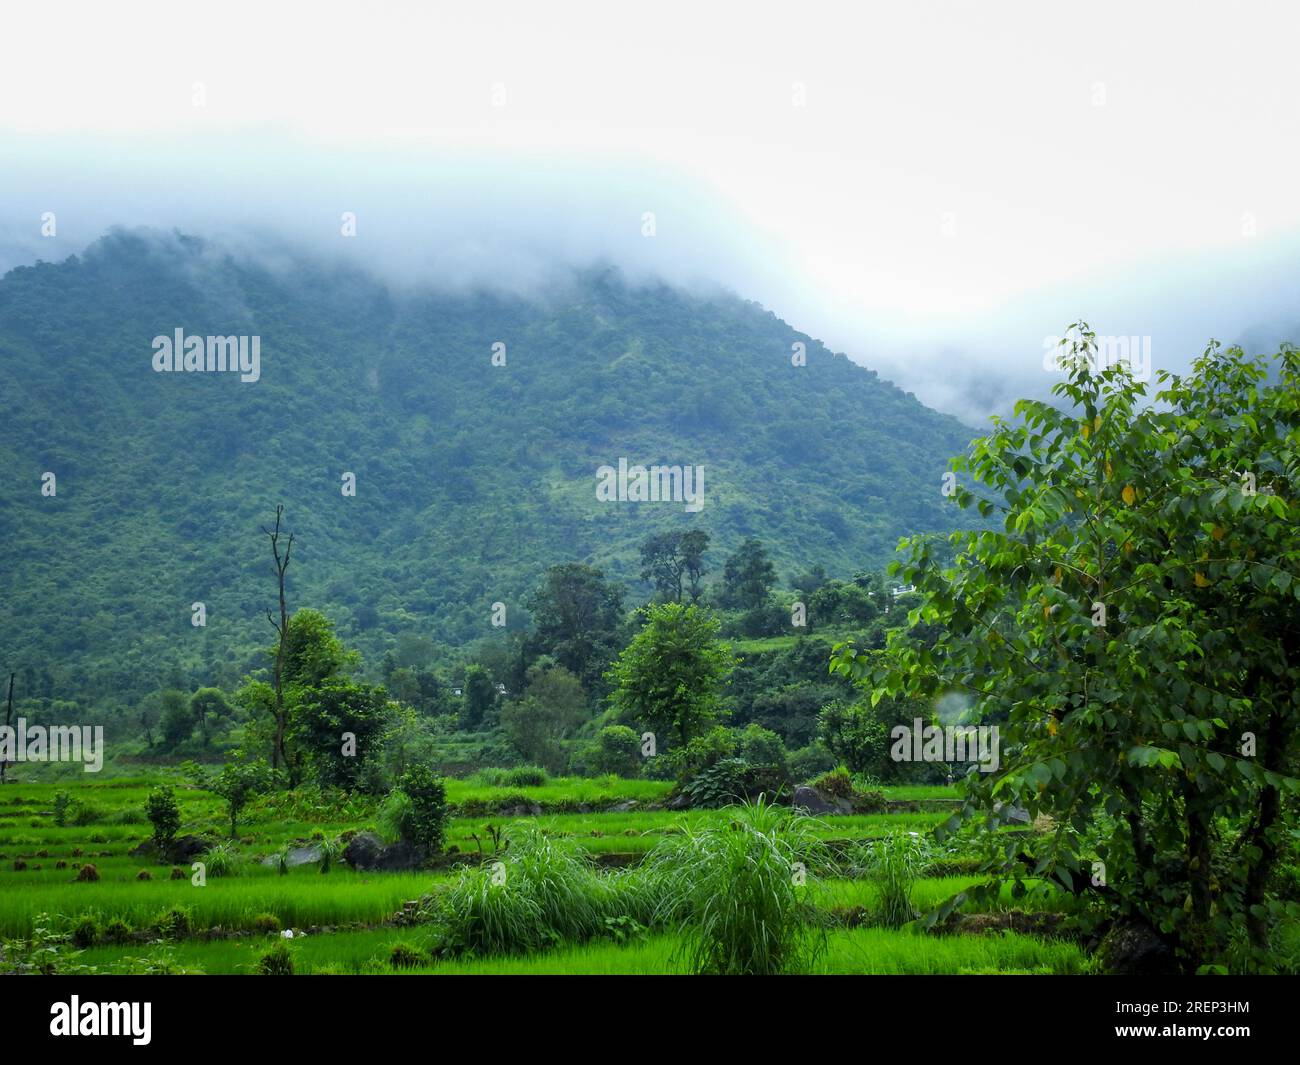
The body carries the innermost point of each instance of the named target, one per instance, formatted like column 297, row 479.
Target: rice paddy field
column 609, row 866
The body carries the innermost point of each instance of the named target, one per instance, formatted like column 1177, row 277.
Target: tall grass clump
column 539, row 892
column 892, row 866
column 222, row 859
column 737, row 891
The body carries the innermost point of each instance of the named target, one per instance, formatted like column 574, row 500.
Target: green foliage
column 164, row 814
column 617, row 749
column 277, row 961
column 237, row 783
column 550, row 711
column 339, row 725
column 893, row 865
column 739, row 893
column 422, row 821
column 856, row 735
column 547, row 422
column 748, row 576
column 669, row 677
column 1131, row 626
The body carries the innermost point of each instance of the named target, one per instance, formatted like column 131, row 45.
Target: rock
column 814, row 802
column 366, row 851
column 624, row 807
column 1132, row 948
column 297, row 856
column 680, row 801
column 363, row 850
column 181, row 850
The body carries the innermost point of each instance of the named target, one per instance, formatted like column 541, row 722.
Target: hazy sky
column 932, row 188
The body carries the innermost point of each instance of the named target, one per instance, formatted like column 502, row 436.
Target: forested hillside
column 471, row 478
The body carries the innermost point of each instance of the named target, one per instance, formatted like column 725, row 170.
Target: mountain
column 471, row 477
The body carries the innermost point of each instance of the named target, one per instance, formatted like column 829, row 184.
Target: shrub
column 893, row 865
column 87, row 873
column 222, row 859
column 423, row 821
column 117, row 931
column 617, row 750
column 85, row 931
column 808, row 762
column 525, row 776
column 62, row 801
column 144, row 874
column 738, row 893
column 173, row 923
column 164, row 815
column 837, row 783
column 277, row 961
column 266, row 922
column 406, row 956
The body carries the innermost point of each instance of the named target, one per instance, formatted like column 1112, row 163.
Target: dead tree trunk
column 278, row 755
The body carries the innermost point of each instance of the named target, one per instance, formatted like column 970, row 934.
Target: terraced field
column 141, row 916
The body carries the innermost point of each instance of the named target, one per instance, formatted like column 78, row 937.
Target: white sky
column 953, row 165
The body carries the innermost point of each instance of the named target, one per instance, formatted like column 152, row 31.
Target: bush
column 85, row 931
column 62, row 801
column 164, row 815
column 277, row 961
column 838, row 783
column 808, row 762
column 266, row 922
column 617, row 750
column 406, row 956
column 893, row 864
column 87, row 873
column 173, row 923
column 525, row 776
column 422, row 822
column 734, row 780
column 738, row 893
column 222, row 859
column 117, row 931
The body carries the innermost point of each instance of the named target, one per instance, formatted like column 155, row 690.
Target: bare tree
column 9, row 709
column 282, row 628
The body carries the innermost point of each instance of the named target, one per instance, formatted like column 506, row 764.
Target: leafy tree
column 692, row 546
column 340, row 728
column 674, row 563
column 748, row 576
column 177, row 719
column 207, row 705
column 617, row 749
column 165, row 816
column 1134, row 626
column 579, row 618
column 550, row 711
column 423, row 821
column 480, row 697
column 855, row 734
column 670, row 676
column 238, row 783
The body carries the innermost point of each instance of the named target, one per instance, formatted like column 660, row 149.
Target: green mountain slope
column 471, row 478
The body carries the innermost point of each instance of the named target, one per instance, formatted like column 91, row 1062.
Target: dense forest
column 473, row 424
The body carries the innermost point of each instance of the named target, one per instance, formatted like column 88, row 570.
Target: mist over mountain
column 472, row 473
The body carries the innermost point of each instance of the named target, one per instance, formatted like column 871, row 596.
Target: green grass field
column 348, row 917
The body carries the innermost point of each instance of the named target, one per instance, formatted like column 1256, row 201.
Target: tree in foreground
column 1134, row 628
column 669, row 678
